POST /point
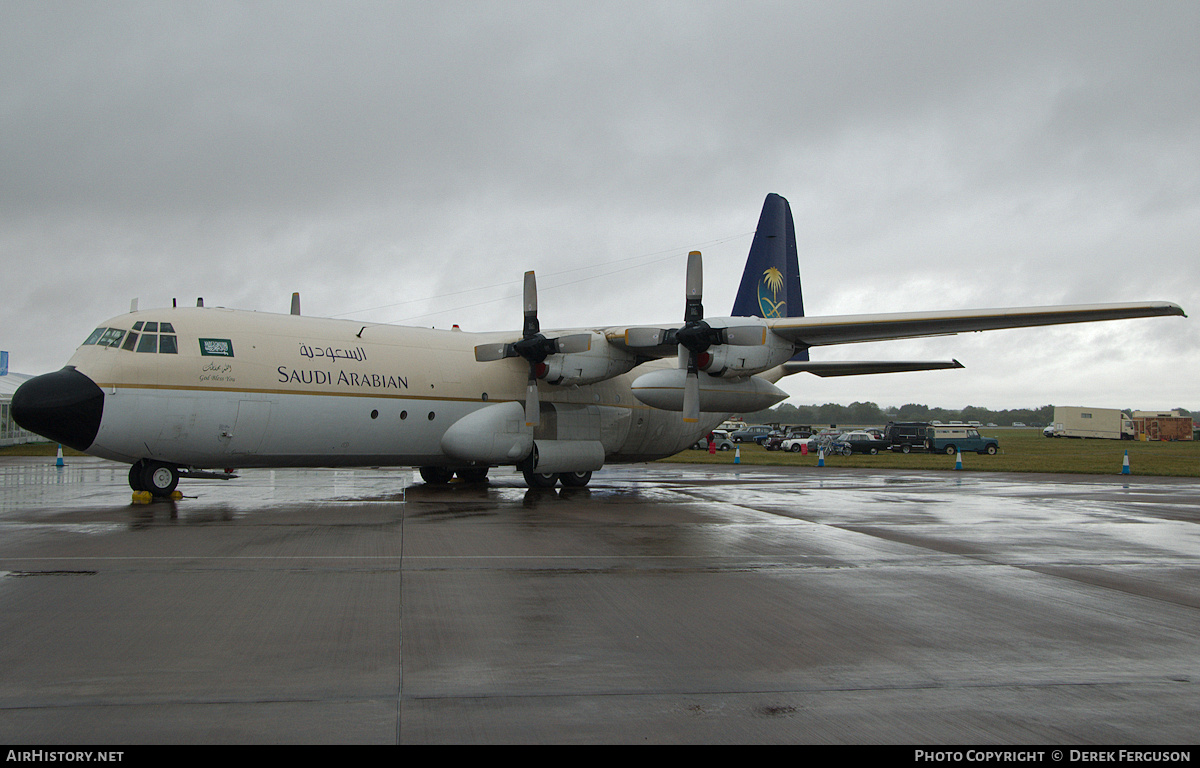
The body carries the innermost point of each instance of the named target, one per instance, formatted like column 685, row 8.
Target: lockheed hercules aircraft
column 179, row 392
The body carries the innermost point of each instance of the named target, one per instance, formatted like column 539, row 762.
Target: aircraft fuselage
column 252, row 389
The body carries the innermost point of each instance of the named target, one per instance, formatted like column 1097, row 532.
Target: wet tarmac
column 663, row 604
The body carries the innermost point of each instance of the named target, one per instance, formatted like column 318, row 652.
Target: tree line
column 870, row 413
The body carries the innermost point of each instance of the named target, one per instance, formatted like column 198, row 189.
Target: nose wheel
column 154, row 476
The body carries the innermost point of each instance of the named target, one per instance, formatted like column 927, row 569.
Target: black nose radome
column 64, row 406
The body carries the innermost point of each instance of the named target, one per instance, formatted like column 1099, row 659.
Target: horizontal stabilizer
column 863, row 367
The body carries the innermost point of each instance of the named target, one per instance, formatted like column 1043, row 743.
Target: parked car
column 720, row 437
column 775, row 441
column 952, row 438
column 859, row 442
column 772, row 441
column 906, row 436
column 797, row 444
column 751, row 434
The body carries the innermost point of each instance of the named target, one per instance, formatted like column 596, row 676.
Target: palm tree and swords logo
column 772, row 281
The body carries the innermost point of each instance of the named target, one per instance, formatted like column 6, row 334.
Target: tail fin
column 770, row 284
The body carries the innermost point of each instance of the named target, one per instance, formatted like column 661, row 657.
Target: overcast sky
column 407, row 162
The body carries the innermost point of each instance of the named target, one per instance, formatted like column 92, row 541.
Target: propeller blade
column 486, row 353
column 694, row 307
column 576, row 342
column 532, row 405
column 530, row 303
column 746, row 335
column 691, row 397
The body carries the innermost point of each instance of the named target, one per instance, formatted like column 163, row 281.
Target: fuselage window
column 130, row 340
column 166, row 344
column 149, row 342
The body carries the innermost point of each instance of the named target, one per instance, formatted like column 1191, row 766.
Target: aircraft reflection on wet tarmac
column 664, row 603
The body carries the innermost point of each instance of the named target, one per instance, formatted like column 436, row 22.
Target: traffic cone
column 958, row 460
column 1125, row 464
column 737, row 455
column 59, row 462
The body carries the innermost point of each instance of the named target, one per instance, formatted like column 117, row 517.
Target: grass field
column 1021, row 450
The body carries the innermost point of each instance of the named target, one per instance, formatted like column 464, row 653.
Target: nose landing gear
column 154, row 477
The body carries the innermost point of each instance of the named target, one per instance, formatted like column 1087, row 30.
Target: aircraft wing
column 861, row 367
column 845, row 329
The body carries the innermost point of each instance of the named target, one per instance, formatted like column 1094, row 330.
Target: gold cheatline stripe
column 318, row 393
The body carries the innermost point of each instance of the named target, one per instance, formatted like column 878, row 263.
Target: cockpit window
column 148, row 340
column 111, row 337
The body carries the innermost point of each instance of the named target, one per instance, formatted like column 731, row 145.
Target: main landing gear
column 443, row 475
column 568, row 479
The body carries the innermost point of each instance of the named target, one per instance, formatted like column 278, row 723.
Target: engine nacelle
column 733, row 360
column 664, row 389
column 602, row 361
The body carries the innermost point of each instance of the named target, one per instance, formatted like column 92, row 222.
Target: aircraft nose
column 64, row 406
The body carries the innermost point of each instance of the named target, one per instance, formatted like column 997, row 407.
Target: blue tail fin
column 771, row 282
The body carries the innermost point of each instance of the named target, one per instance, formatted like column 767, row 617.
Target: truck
column 1076, row 421
column 952, row 438
column 905, row 436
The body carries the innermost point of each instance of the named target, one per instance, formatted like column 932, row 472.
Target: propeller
column 695, row 337
column 534, row 348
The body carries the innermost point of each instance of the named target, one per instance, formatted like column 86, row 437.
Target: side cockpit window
column 145, row 337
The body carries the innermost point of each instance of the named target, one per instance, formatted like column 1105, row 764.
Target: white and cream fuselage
column 253, row 389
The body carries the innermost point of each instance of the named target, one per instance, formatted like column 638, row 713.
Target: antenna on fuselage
column 296, row 303
column 133, row 305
